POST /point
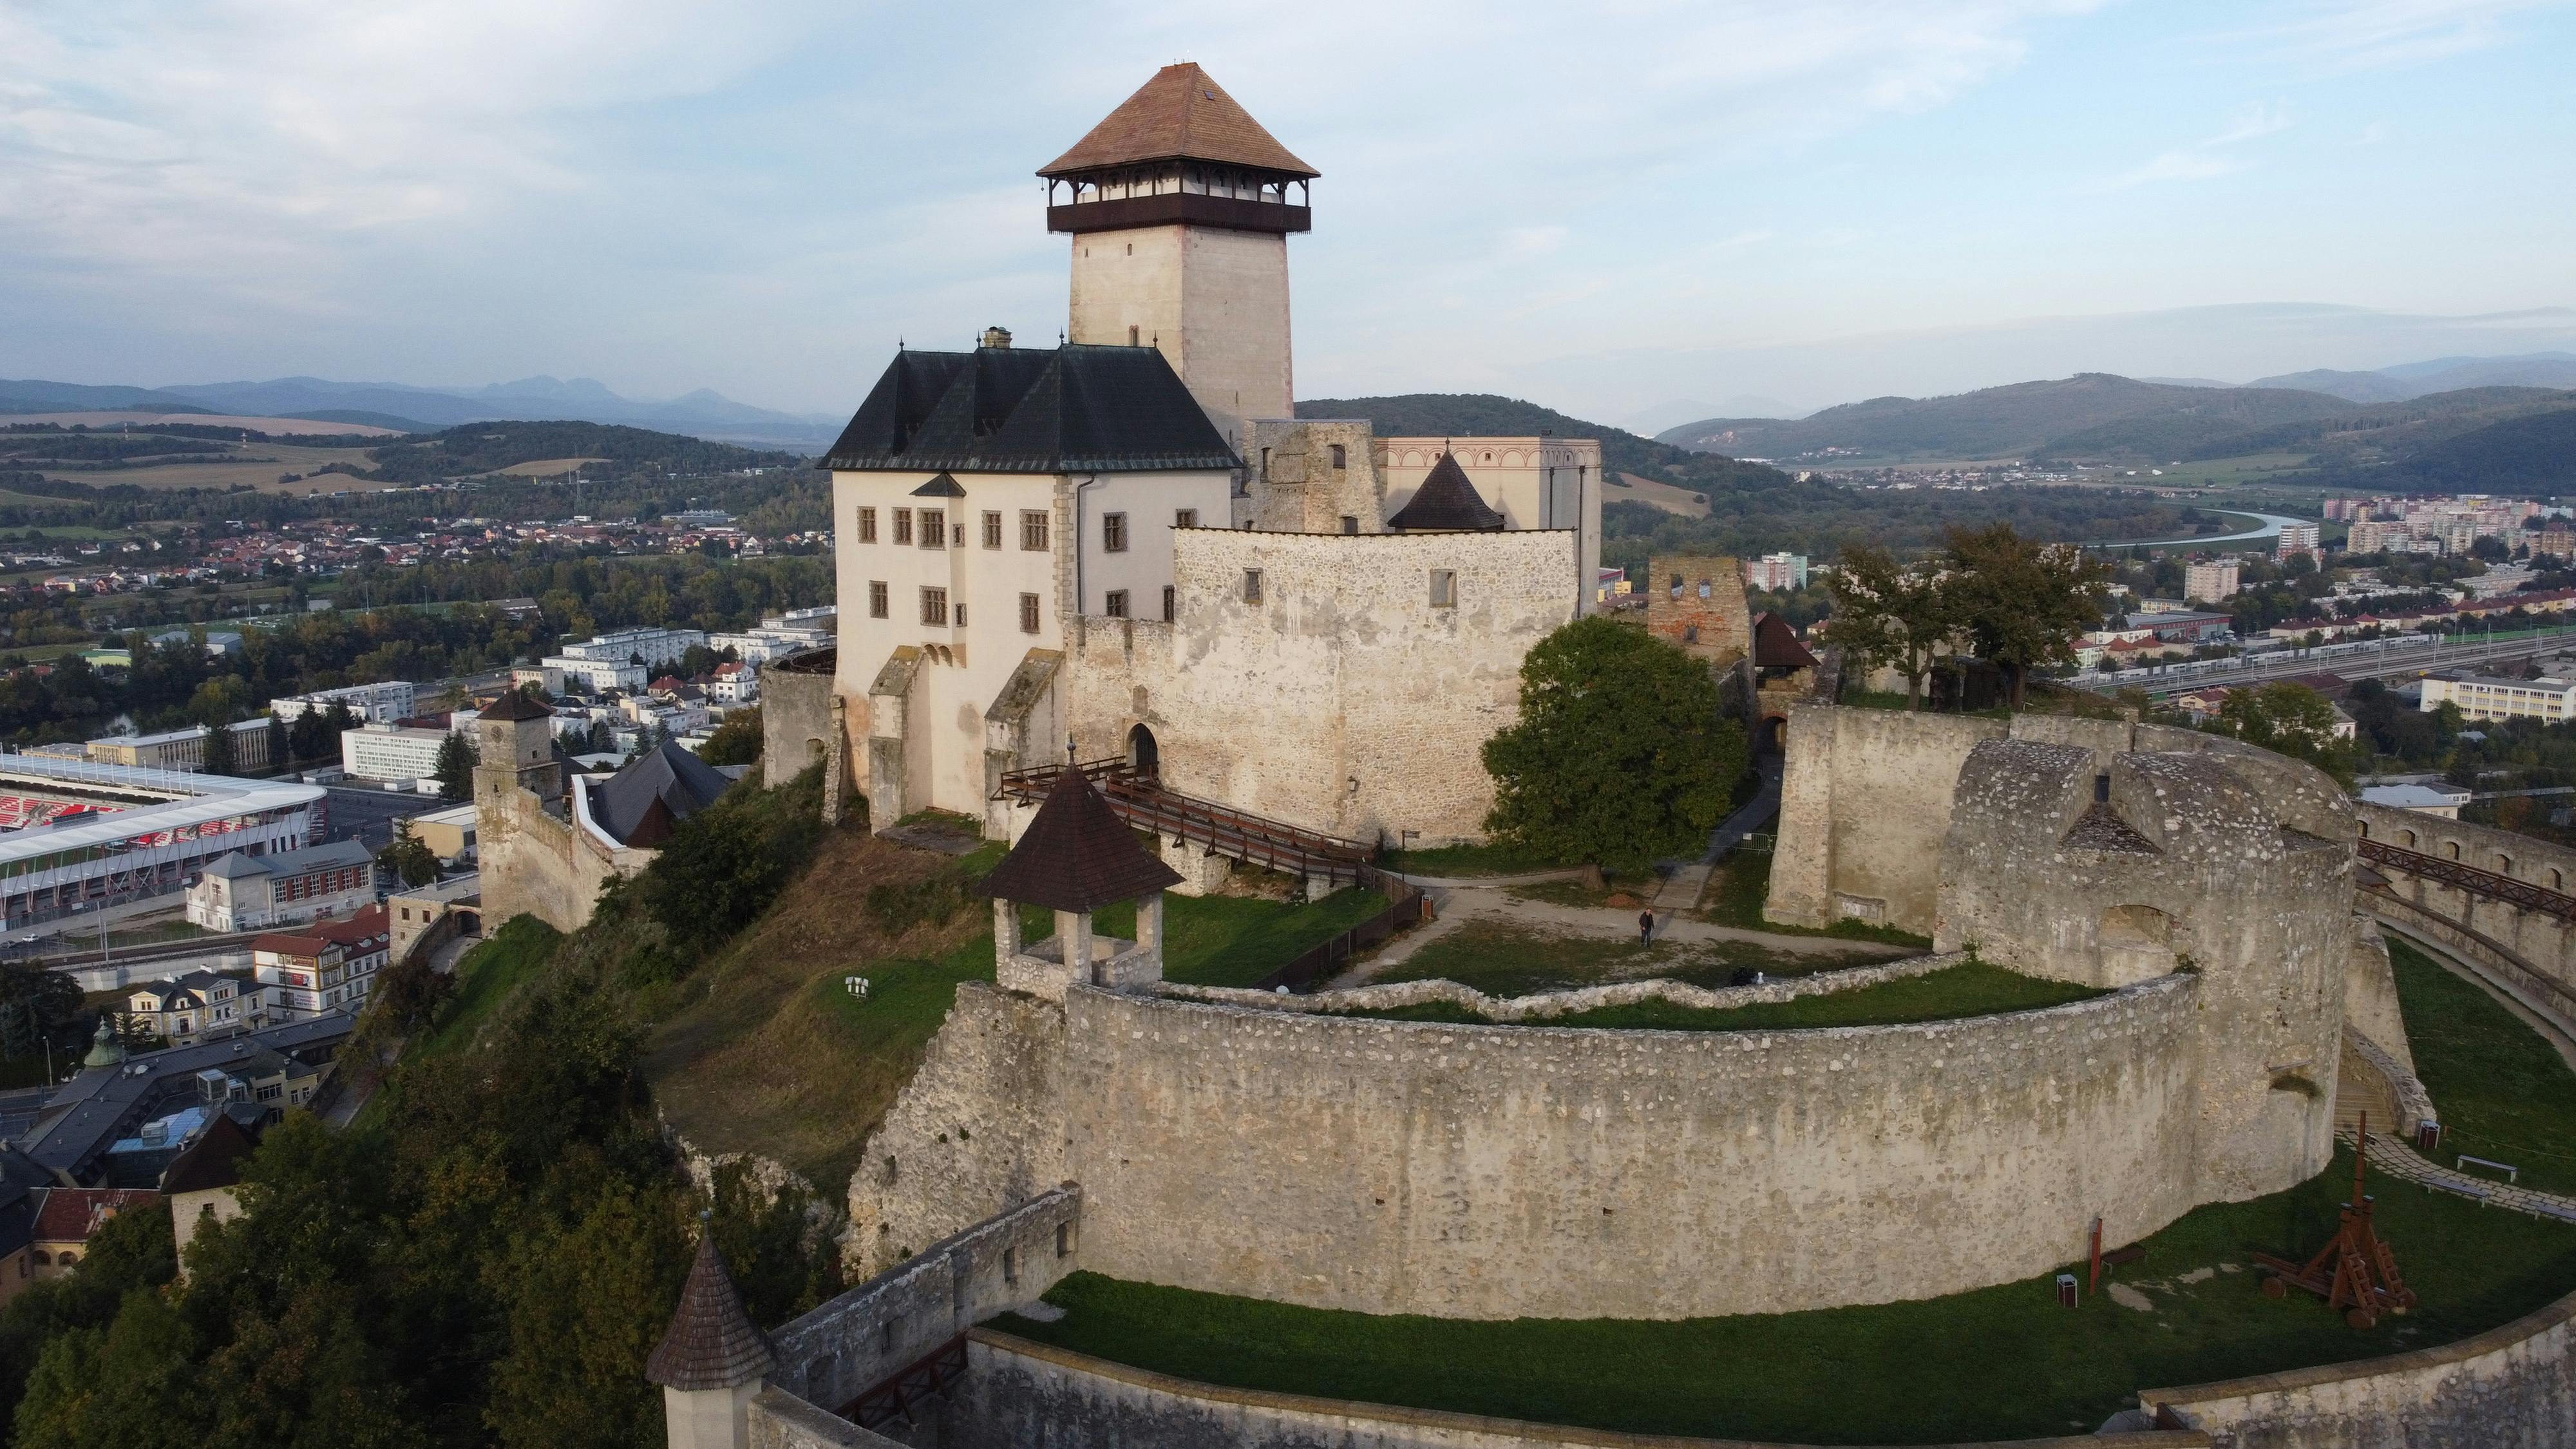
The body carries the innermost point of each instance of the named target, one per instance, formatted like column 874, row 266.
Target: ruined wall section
column 1343, row 699
column 980, row 1129
column 2528, row 953
column 1499, row 1172
column 1863, row 809
column 796, row 722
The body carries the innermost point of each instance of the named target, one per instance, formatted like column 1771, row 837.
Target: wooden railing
column 2471, row 879
column 1138, row 797
column 1322, row 963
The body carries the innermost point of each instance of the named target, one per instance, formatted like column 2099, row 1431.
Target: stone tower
column 514, row 748
column 1179, row 208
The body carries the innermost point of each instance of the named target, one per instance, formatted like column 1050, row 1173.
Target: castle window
column 1115, row 604
column 2101, row 789
column 1252, row 586
column 1186, row 518
column 1350, row 523
column 1028, row 613
column 1113, row 532
column 867, row 525
column 1690, row 633
column 1167, row 603
column 992, row 529
column 1265, row 465
column 1444, row 588
column 934, row 606
column 903, row 525
column 1339, row 461
column 1010, row 1265
column 934, row 529
column 1703, row 588
column 1677, row 586
column 876, row 598
column 1033, row 530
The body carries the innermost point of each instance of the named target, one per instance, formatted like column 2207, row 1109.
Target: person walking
column 1645, row 928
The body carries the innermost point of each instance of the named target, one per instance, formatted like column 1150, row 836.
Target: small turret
column 105, row 1050
column 712, row 1360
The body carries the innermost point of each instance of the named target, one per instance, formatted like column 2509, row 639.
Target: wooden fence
column 1326, row 961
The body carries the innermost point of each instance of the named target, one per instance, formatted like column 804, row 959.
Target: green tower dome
column 105, row 1050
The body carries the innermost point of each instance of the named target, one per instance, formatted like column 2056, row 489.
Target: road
column 2389, row 662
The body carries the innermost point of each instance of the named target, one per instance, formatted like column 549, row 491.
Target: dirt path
column 1456, row 907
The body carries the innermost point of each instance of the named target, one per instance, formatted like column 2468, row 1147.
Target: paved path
column 2399, row 1160
column 1683, row 888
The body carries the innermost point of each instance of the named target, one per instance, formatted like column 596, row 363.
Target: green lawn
column 485, row 977
column 1471, row 860
column 2003, row 1362
column 2500, row 1091
column 1736, row 892
column 1971, row 988
column 1501, row 958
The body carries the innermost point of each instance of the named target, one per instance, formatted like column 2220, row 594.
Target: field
column 1635, row 488
column 258, row 465
column 2500, row 1091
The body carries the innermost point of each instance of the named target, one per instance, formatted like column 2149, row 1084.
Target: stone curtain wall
column 1344, row 700
column 1022, row 1393
column 978, row 1130
column 2530, row 953
column 796, row 713
column 780, row 1420
column 853, row 1343
column 1863, row 809
column 2512, row 1387
column 535, row 864
column 1499, row 1172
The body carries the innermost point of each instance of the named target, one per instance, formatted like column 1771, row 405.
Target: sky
column 1634, row 211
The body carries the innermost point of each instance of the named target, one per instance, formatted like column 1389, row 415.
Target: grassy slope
column 1997, row 1363
column 2500, row 1091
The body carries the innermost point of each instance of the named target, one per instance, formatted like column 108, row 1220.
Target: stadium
column 77, row 835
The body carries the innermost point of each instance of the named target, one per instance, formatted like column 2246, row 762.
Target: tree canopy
column 1619, row 755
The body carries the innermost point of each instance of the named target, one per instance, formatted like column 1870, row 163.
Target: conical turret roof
column 1077, row 855
column 711, row 1343
column 105, row 1050
column 1179, row 115
column 1446, row 500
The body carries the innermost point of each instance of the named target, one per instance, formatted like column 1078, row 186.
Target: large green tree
column 1893, row 614
column 456, row 767
column 408, row 856
column 2023, row 602
column 1620, row 755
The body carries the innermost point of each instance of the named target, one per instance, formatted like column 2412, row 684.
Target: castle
column 1132, row 544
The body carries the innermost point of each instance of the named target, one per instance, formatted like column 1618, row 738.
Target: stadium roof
column 189, row 799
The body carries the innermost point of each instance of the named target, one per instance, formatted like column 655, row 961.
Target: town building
column 200, row 1183
column 594, row 676
column 380, row 703
column 183, row 749
column 198, row 1005
column 449, row 834
column 452, row 907
column 2297, row 539
column 391, row 751
column 116, row 834
column 2479, row 698
column 271, row 1069
column 652, row 648
column 329, row 967
column 2556, row 540
column 2211, row 580
column 244, row 892
column 1776, row 571
column 2439, row 800
column 68, row 1217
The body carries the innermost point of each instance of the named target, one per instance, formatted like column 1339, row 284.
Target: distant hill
column 421, row 409
column 2440, row 374
column 485, row 447
column 2092, row 414
column 2535, row 453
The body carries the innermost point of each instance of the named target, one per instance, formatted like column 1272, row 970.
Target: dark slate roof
column 1446, row 500
column 1077, row 855
column 213, row 1160
column 1776, row 646
column 1179, row 115
column 712, row 1342
column 101, row 1104
column 237, row 866
column 517, row 705
column 654, row 792
column 17, row 1217
column 943, row 486
column 1071, row 409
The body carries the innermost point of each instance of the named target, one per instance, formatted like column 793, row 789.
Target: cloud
column 2372, row 34
column 2219, row 155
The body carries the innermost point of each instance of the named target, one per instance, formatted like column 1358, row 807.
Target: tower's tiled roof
column 1446, row 500
column 1073, row 409
column 1179, row 115
column 712, row 1343
column 517, row 704
column 1776, row 645
column 652, row 793
column 1077, row 855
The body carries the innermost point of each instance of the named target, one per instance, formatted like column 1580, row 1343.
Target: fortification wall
column 1369, row 702
column 2531, row 954
column 796, row 712
column 533, row 863
column 1863, row 808
column 1022, row 1393
column 2512, row 1387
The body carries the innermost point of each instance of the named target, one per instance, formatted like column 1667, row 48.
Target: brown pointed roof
column 517, row 704
column 1776, row 646
column 1077, row 855
column 711, row 1343
column 1179, row 115
column 1446, row 500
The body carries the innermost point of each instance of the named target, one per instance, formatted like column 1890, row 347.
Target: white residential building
column 656, row 647
column 2550, row 700
column 2299, row 538
column 372, row 703
column 391, row 752
column 2212, row 581
column 243, row 892
column 595, row 675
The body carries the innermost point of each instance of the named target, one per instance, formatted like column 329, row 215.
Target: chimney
column 997, row 337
